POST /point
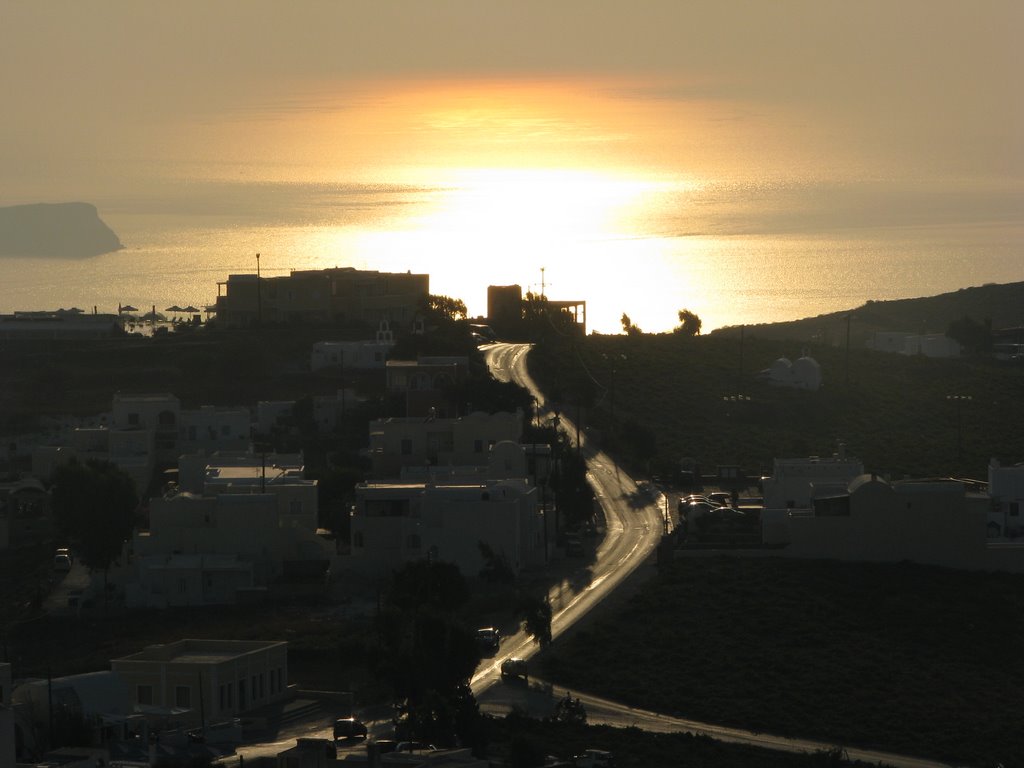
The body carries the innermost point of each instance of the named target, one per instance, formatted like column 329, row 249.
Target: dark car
column 348, row 729
column 514, row 667
column 488, row 639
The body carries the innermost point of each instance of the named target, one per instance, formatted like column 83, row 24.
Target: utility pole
column 259, row 295
column 848, row 318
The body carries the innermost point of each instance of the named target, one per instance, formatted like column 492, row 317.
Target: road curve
column 633, row 517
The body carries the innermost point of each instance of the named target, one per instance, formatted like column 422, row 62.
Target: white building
column 239, row 524
column 350, row 355
column 211, row 428
column 905, row 343
column 804, row 373
column 795, row 483
column 394, row 523
column 145, row 431
column 418, row 441
column 925, row 521
column 1006, row 489
column 211, row 679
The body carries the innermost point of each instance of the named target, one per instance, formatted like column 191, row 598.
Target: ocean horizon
column 734, row 252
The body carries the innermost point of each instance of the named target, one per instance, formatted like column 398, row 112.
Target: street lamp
column 259, row 297
column 959, row 400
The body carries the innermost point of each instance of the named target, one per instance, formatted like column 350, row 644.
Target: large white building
column 144, row 431
column 795, row 483
column 417, row 441
column 937, row 522
column 205, row 679
column 240, row 524
column 398, row 522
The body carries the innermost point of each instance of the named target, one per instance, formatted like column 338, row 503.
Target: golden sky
column 118, row 92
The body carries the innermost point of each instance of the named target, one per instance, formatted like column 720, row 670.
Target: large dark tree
column 689, row 323
column 428, row 655
column 94, row 506
column 536, row 615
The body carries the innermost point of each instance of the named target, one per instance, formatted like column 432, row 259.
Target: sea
column 733, row 251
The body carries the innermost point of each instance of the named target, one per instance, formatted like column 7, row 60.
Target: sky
column 126, row 94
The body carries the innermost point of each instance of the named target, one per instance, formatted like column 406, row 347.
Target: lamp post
column 959, row 400
column 259, row 295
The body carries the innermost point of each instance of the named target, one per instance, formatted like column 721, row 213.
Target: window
column 357, row 539
column 133, row 419
column 1014, row 508
column 144, row 694
column 182, row 586
column 295, row 507
column 412, row 541
column 225, row 430
column 406, row 446
column 478, row 446
column 182, row 696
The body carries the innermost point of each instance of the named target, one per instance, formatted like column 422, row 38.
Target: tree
column 427, row 655
column 94, row 506
column 689, row 323
column 974, row 337
column 446, row 308
column 629, row 327
column 427, row 584
column 536, row 615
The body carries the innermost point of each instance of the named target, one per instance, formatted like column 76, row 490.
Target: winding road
column 635, row 522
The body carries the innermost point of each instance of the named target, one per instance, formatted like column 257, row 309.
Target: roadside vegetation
column 654, row 400
column 910, row 659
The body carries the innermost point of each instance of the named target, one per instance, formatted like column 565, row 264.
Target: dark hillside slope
column 1003, row 304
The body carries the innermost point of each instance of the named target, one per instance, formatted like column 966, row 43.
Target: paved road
column 634, row 525
column 635, row 522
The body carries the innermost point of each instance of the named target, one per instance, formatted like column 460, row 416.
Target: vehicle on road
column 570, row 710
column 488, row 639
column 514, row 667
column 349, row 729
column 414, row 746
column 62, row 562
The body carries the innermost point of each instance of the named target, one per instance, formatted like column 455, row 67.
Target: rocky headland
column 63, row 230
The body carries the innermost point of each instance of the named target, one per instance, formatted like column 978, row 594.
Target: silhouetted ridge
column 69, row 230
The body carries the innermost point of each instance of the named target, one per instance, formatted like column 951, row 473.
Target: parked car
column 62, row 562
column 513, row 667
column 349, row 729
column 488, row 639
column 723, row 498
column 414, row 746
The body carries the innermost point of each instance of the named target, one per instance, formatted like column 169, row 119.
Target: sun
column 534, row 205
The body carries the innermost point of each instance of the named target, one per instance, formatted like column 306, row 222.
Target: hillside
column 1003, row 304
column 654, row 399
column 64, row 230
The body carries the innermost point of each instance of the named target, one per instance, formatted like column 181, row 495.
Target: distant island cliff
column 66, row 230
